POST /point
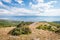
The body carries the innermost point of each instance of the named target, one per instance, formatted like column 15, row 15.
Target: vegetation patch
column 57, row 26
column 20, row 29
column 8, row 23
column 50, row 28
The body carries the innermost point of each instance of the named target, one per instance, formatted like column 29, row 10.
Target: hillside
column 35, row 35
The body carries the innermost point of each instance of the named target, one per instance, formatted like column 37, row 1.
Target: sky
column 29, row 7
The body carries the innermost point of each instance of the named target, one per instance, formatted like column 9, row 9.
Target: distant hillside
column 6, row 23
column 56, row 21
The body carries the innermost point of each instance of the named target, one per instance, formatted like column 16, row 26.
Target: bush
column 25, row 30
column 15, row 31
column 45, row 27
column 19, row 31
column 58, row 31
column 53, row 28
column 39, row 27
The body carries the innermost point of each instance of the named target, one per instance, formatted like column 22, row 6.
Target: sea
column 31, row 18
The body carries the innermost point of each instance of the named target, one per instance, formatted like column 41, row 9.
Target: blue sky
column 29, row 7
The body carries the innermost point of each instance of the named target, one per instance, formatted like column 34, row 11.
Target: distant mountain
column 6, row 23
column 56, row 21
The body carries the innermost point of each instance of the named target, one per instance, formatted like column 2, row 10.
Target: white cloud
column 23, row 11
column 9, row 1
column 38, row 1
column 19, row 1
column 39, row 9
column 52, row 12
column 18, row 11
column 5, row 12
column 0, row 3
column 42, row 5
column 52, row 2
column 46, row 8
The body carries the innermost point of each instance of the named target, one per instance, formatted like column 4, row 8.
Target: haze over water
column 31, row 18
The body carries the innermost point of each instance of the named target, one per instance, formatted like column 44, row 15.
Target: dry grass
column 35, row 35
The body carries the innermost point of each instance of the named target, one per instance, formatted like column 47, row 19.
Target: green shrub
column 25, row 30
column 50, row 28
column 19, row 31
column 45, row 27
column 39, row 27
column 15, row 31
column 53, row 28
column 58, row 31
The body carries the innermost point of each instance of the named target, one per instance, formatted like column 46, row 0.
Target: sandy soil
column 35, row 35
